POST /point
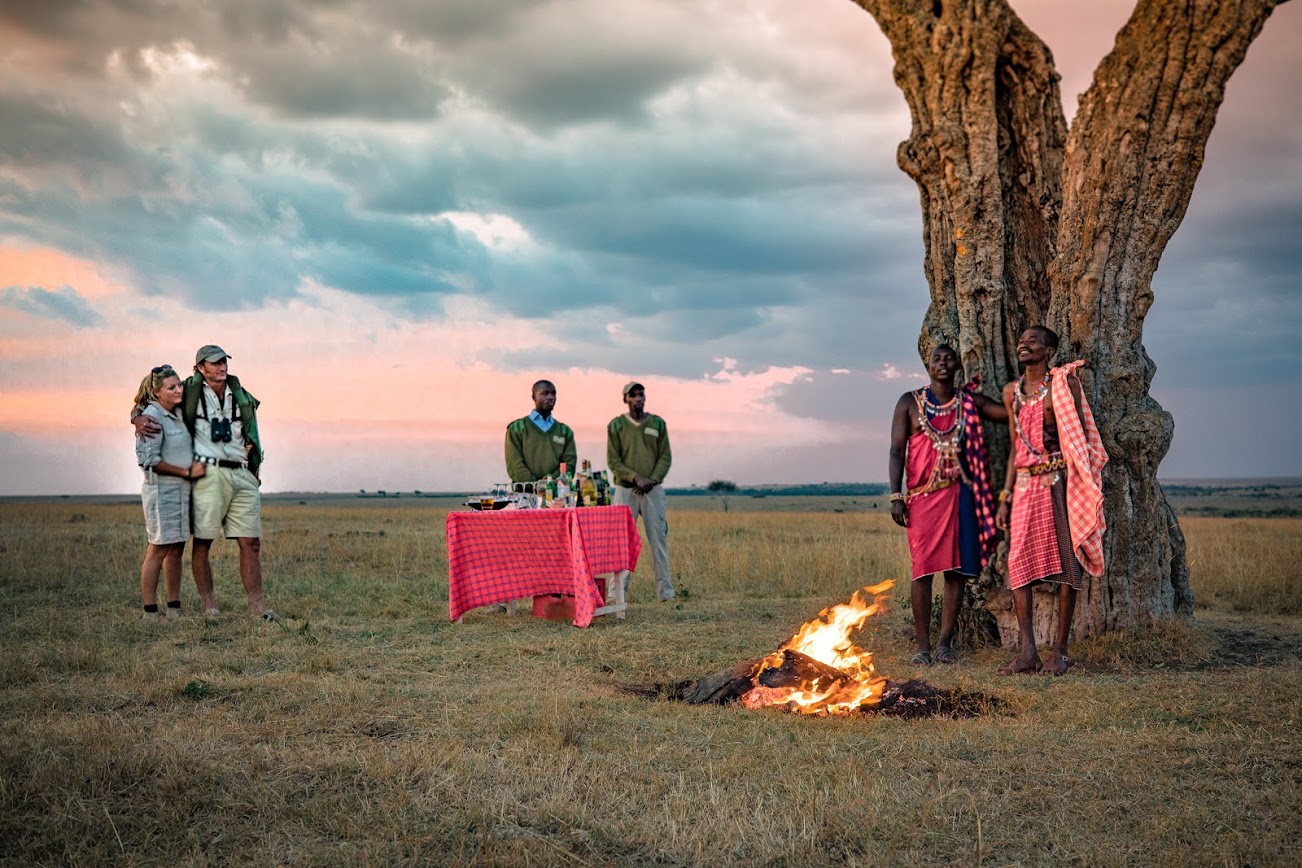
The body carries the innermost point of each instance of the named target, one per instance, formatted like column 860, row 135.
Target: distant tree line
column 823, row 489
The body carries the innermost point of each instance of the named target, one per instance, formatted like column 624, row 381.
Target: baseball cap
column 210, row 353
column 630, row 386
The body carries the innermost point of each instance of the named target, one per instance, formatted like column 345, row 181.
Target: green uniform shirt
column 637, row 450
column 532, row 453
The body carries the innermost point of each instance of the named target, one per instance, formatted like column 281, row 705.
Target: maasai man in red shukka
column 1052, row 501
column 946, row 504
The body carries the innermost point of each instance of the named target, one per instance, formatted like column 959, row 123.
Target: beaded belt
column 1052, row 464
column 929, row 487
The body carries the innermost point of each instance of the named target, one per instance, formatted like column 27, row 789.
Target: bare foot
column 1018, row 666
column 1057, row 664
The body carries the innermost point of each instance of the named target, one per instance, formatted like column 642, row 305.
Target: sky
column 396, row 216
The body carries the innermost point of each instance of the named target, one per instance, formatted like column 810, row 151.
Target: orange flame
column 827, row 640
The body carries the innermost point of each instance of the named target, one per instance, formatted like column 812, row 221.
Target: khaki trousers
column 652, row 509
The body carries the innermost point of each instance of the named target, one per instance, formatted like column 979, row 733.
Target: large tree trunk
column 1026, row 223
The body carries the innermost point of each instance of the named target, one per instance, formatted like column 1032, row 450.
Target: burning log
column 727, row 685
column 798, row 670
column 722, row 687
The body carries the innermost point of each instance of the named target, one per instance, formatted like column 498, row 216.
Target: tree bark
column 1025, row 223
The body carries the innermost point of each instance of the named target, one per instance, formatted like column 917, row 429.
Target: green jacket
column 248, row 413
column 532, row 453
column 638, row 450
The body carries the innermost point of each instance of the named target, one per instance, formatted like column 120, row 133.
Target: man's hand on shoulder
column 147, row 426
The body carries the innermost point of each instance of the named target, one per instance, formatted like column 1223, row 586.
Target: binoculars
column 221, row 430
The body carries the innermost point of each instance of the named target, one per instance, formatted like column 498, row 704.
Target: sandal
column 1018, row 666
column 947, row 655
column 922, row 658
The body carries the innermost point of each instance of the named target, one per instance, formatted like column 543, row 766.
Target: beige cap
column 210, row 353
column 630, row 386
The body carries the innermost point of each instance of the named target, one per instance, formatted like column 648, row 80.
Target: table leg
column 618, row 607
column 621, row 578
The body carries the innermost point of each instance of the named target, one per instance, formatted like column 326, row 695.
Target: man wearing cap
column 222, row 418
column 637, row 453
column 537, row 444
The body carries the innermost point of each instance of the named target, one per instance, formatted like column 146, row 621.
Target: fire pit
column 820, row 671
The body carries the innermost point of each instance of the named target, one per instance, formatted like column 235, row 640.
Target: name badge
column 556, row 438
column 651, row 432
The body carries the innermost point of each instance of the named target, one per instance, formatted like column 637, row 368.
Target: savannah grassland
column 365, row 729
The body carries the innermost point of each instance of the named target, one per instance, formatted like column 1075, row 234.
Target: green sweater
column 532, row 453
column 637, row 450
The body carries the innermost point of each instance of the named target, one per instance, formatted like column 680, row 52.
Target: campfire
column 820, row 670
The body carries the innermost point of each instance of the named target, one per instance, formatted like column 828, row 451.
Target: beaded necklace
column 929, row 408
column 1021, row 400
column 947, row 468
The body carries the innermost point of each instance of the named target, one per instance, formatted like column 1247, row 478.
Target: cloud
column 635, row 188
column 64, row 304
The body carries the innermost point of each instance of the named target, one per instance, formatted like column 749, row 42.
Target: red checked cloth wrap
column 1033, row 551
column 1082, row 447
column 495, row 557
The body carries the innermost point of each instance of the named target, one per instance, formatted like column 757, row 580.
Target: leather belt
column 220, row 462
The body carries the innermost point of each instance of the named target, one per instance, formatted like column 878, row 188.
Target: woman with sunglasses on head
column 169, row 466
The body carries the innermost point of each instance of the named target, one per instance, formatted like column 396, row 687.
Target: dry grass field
column 364, row 729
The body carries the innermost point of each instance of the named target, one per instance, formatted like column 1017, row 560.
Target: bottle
column 602, row 498
column 589, row 490
column 562, row 488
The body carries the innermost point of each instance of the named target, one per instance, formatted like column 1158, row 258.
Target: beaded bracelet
column 896, row 496
column 1005, row 495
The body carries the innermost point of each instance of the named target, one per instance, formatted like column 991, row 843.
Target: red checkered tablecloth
column 494, row 557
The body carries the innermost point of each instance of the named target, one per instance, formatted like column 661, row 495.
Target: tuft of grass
column 1171, row 644
column 195, row 690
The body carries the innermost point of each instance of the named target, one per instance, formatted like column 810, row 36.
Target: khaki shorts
column 226, row 502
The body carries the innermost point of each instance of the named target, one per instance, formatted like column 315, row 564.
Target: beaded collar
column 1020, row 400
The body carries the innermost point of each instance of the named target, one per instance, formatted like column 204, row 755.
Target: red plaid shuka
column 1082, row 447
column 1033, row 549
